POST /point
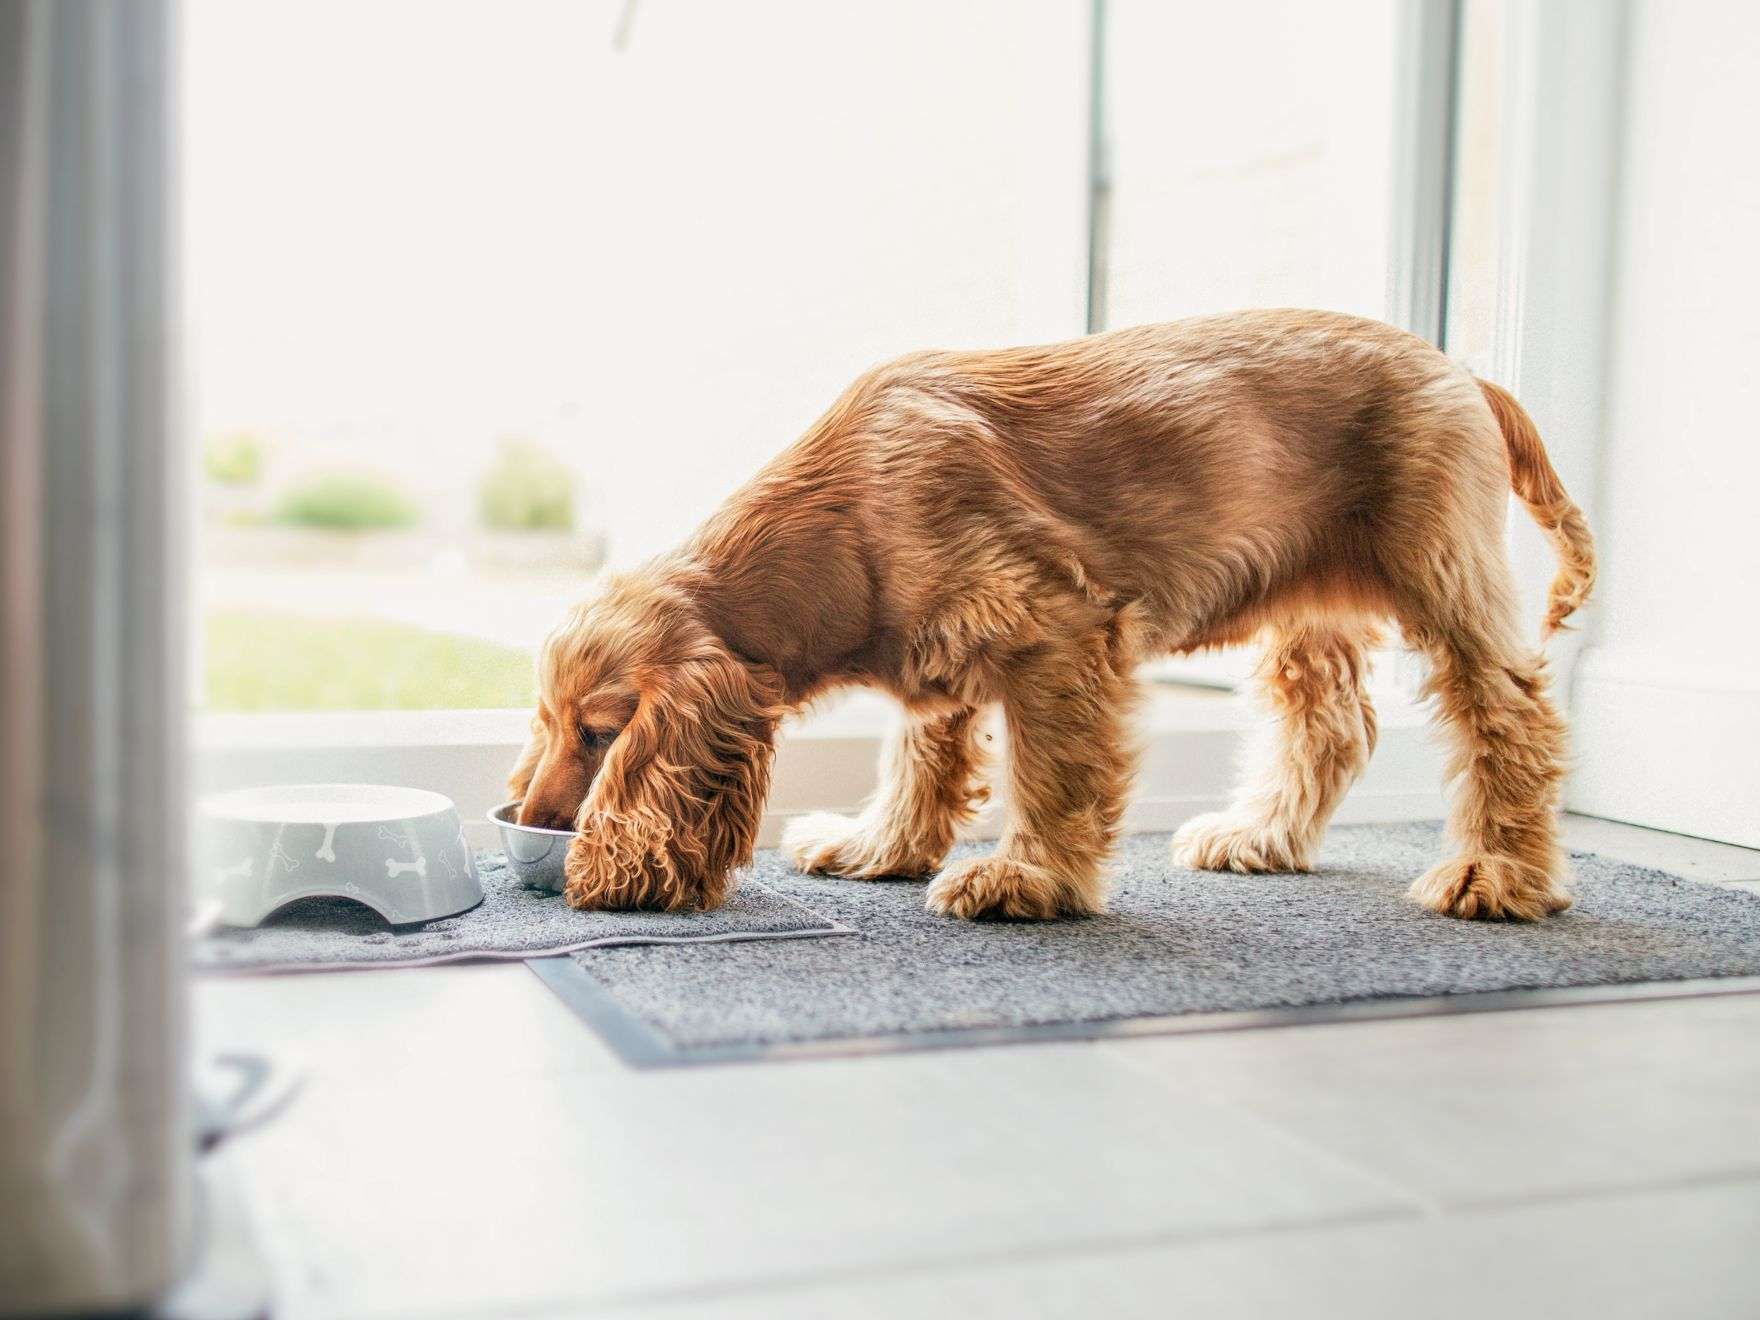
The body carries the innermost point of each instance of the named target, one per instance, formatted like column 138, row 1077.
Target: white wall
column 1667, row 706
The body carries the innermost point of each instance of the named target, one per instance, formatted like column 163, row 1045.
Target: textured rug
column 511, row 923
column 1175, row 942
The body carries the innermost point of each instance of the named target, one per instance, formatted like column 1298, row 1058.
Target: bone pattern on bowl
column 410, row 868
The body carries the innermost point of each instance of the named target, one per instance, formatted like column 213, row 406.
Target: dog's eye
column 599, row 738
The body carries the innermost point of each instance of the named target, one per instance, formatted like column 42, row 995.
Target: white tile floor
column 463, row 1146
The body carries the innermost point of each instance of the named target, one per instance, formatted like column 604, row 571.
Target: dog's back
column 1211, row 470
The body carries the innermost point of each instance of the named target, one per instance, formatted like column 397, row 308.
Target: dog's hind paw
column 1490, row 887
column 1218, row 841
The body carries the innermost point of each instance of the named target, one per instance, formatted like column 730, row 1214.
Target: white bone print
column 327, row 849
column 287, row 863
column 445, row 861
column 394, row 836
column 394, row 868
column 242, row 871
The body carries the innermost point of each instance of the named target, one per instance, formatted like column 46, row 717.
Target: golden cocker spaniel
column 1025, row 527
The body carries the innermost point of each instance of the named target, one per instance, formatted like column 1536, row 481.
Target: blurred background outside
column 483, row 299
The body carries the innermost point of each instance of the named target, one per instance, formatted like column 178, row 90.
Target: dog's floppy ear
column 677, row 804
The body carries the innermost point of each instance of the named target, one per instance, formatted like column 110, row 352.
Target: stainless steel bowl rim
column 522, row 843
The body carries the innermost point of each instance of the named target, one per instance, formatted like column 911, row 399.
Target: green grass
column 256, row 660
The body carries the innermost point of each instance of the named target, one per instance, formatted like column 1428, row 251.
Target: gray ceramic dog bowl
column 400, row 851
column 534, row 855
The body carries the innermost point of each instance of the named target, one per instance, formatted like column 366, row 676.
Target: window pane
column 1473, row 277
column 484, row 295
column 1248, row 155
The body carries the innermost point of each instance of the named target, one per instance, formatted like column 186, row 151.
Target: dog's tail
column 1537, row 485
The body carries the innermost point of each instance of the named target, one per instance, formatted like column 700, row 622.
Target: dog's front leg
column 931, row 783
column 1069, row 768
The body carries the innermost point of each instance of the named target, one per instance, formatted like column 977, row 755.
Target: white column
column 95, row 1138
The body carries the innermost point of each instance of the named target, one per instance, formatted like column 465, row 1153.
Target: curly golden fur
column 1025, row 527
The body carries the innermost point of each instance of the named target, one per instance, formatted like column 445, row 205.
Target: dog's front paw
column 998, row 888
column 1490, row 887
column 829, row 844
column 1218, row 841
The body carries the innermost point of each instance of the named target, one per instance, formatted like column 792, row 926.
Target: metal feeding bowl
column 400, row 851
column 534, row 855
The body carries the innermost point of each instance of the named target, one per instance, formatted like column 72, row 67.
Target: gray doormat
column 512, row 923
column 1177, row 947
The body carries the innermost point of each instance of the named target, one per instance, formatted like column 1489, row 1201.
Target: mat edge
column 642, row 1046
column 469, row 956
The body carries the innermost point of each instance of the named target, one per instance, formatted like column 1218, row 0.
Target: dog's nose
column 543, row 816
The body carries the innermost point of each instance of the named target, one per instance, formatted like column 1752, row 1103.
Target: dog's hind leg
column 1320, row 738
column 1069, row 768
column 931, row 783
column 1506, row 756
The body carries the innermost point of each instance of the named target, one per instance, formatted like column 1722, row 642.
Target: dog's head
column 653, row 742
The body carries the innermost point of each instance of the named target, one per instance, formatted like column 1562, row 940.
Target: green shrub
column 528, row 490
column 233, row 459
column 347, row 501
